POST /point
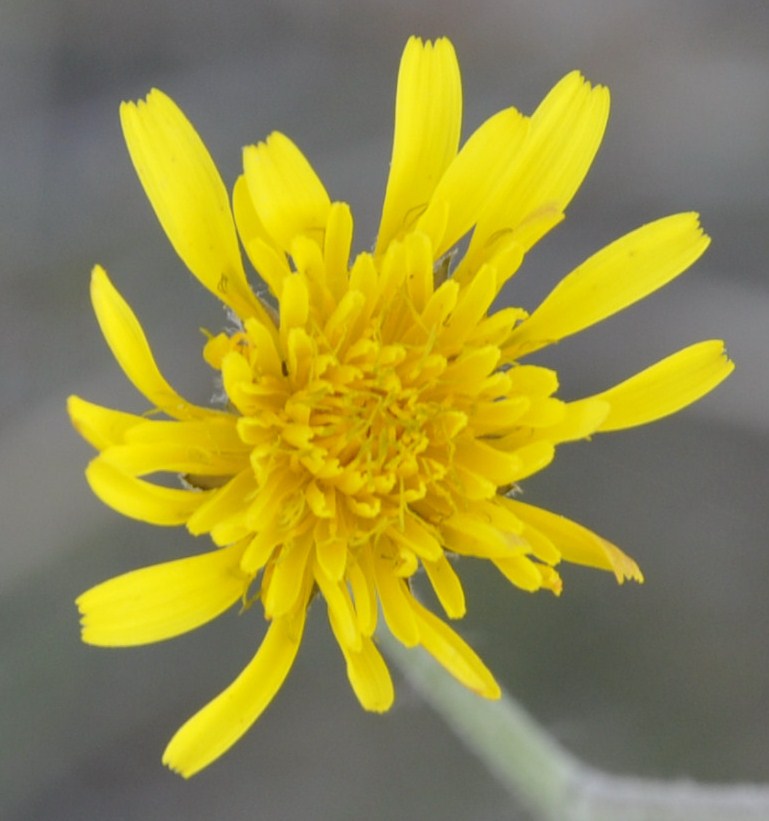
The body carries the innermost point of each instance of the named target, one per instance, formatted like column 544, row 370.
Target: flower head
column 378, row 413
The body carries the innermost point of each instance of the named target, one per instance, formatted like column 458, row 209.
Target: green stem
column 551, row 782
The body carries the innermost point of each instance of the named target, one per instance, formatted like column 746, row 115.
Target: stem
column 551, row 782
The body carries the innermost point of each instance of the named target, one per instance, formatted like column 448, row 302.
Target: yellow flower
column 376, row 418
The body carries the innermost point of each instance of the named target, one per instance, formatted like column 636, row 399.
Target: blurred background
column 666, row 679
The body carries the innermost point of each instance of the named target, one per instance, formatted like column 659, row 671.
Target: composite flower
column 374, row 414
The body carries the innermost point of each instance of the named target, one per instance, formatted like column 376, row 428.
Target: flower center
column 365, row 435
column 353, row 434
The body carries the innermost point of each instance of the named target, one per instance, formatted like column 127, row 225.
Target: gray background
column 665, row 679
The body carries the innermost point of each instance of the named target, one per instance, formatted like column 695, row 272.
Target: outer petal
column 337, row 246
column 159, row 602
column 361, row 579
column 521, row 571
column 576, row 543
column 454, row 654
column 367, row 672
column 99, row 426
column 564, row 135
column 287, row 195
column 617, row 276
column 580, row 419
column 474, row 174
column 170, row 457
column 189, row 197
column 267, row 258
column 142, row 500
column 446, row 585
column 213, row 730
column 428, row 115
column 369, row 677
column 249, row 225
column 294, row 306
column 224, row 509
column 218, row 435
column 284, row 590
column 667, row 386
column 396, row 600
column 129, row 346
column 340, row 609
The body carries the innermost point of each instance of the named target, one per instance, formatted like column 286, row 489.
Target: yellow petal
column 667, row 386
column 307, row 255
column 441, row 304
column 340, row 610
column 528, row 233
column 472, row 485
column 428, row 115
column 543, row 413
column 484, row 459
column 162, row 601
column 576, row 543
column 617, row 276
column 294, row 306
column 250, row 227
column 213, row 730
column 474, row 174
column 563, row 137
column 287, row 195
column 330, row 552
column 505, row 260
column 370, row 678
column 540, row 546
column 189, row 197
column 532, row 458
column 392, row 275
column 451, row 651
column 141, row 460
column 344, row 318
column 396, row 600
column 130, row 348
column 270, row 263
column 447, row 586
column 280, row 489
column 550, row 579
column 336, row 247
column 510, row 462
column 237, row 378
column 473, row 303
column 142, row 500
column 520, row 571
column 260, row 549
column 360, row 575
column 579, row 420
column 418, row 536
column 219, row 435
column 532, row 380
column 363, row 278
column 496, row 513
column 100, row 427
column 227, row 502
column 290, row 567
column 268, row 259
column 368, row 674
column 419, row 268
column 266, row 359
column 470, row 534
column 467, row 373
